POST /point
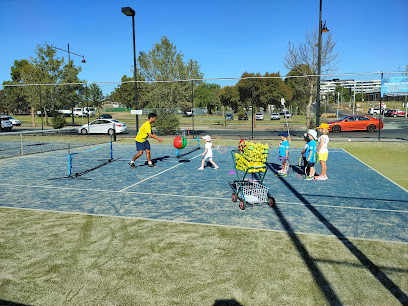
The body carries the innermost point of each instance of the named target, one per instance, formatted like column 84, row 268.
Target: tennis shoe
column 132, row 165
column 151, row 165
column 216, row 167
column 284, row 172
column 280, row 171
column 201, row 168
column 308, row 178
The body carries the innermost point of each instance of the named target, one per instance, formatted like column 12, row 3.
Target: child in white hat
column 207, row 153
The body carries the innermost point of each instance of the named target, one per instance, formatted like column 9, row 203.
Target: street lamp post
column 130, row 12
column 69, row 59
column 322, row 29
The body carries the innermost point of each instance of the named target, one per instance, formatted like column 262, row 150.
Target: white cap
column 207, row 137
column 313, row 133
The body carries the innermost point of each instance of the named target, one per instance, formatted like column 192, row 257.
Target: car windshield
column 341, row 119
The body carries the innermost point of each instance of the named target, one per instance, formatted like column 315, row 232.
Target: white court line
column 197, row 197
column 376, row 171
column 202, row 224
column 155, row 175
column 347, row 207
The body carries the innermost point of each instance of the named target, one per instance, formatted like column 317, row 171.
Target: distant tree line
column 161, row 75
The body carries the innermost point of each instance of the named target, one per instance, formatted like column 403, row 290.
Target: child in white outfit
column 207, row 153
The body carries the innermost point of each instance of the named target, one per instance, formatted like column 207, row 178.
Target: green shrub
column 58, row 120
column 167, row 123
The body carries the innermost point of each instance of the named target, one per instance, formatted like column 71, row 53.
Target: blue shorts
column 141, row 146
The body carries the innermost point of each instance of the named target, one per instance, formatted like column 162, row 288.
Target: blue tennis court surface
column 355, row 202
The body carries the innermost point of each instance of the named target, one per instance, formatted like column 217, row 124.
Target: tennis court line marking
column 376, row 171
column 200, row 224
column 198, row 197
column 135, row 184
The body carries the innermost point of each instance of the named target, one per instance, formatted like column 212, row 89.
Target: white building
column 369, row 86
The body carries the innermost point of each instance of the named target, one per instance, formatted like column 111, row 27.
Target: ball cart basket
column 250, row 190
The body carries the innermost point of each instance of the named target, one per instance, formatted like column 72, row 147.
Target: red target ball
column 179, row 142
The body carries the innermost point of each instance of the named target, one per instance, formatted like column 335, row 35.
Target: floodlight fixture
column 128, row 11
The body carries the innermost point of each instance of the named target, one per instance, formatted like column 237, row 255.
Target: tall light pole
column 322, row 29
column 129, row 12
column 69, row 59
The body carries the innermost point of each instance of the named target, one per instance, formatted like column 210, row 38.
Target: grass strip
column 49, row 258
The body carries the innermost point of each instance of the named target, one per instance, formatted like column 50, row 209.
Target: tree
column 268, row 89
column 45, row 68
column 229, row 97
column 207, row 95
column 299, row 86
column 164, row 63
column 304, row 57
column 15, row 97
column 95, row 95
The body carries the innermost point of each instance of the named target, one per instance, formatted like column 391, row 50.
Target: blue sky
column 225, row 37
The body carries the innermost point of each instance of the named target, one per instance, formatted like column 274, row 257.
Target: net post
column 111, row 150
column 21, row 144
column 114, row 133
column 69, row 159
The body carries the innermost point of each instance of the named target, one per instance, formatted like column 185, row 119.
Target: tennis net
column 33, row 142
column 83, row 162
column 192, row 145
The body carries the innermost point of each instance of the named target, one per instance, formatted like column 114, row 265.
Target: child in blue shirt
column 283, row 152
column 311, row 153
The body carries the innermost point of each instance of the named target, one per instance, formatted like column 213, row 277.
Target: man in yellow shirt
column 142, row 144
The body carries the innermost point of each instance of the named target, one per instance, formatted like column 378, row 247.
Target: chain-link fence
column 223, row 101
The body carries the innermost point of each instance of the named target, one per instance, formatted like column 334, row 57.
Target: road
column 394, row 128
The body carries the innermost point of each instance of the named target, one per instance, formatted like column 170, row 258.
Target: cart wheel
column 271, row 201
column 241, row 204
column 234, row 197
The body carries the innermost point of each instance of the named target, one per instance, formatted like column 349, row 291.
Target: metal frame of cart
column 250, row 191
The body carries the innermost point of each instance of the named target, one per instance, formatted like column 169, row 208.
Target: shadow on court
column 317, row 274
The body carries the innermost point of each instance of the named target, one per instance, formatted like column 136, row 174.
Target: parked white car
column 275, row 116
column 376, row 111
column 259, row 116
column 103, row 126
column 83, row 112
column 13, row 121
column 286, row 114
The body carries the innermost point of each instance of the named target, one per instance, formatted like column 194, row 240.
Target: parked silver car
column 6, row 124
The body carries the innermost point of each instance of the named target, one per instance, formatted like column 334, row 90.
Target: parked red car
column 355, row 123
column 397, row 113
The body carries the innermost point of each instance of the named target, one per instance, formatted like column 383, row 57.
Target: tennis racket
column 222, row 149
column 288, row 166
column 307, row 165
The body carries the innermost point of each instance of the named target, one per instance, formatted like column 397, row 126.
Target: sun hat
column 207, row 137
column 323, row 126
column 313, row 133
column 284, row 134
